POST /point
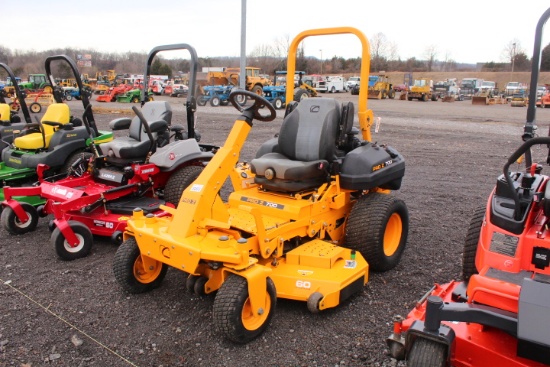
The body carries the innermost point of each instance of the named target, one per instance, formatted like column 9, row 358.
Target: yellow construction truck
column 380, row 87
column 230, row 76
column 421, row 89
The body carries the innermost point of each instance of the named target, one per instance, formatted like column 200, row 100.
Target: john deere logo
column 14, row 160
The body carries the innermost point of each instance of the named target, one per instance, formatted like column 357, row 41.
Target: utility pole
column 513, row 56
column 242, row 83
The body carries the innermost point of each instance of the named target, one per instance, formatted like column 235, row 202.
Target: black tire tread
column 123, row 269
column 470, row 244
column 179, row 181
column 227, row 316
column 58, row 241
column 365, row 229
column 427, row 353
column 8, row 218
column 73, row 158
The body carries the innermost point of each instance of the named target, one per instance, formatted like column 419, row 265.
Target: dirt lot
column 56, row 313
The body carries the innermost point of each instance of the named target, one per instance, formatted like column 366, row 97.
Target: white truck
column 331, row 84
column 352, row 82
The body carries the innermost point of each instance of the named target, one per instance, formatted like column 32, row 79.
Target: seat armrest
column 122, row 123
column 157, row 126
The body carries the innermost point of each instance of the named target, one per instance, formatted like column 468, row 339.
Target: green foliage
column 522, row 62
column 155, row 67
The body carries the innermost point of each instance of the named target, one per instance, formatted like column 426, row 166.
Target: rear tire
column 130, row 272
column 179, row 181
column 233, row 316
column 427, row 353
column 300, row 94
column 12, row 224
column 81, row 168
column 470, row 244
column 258, row 89
column 201, row 101
column 378, row 227
column 66, row 251
column 278, row 103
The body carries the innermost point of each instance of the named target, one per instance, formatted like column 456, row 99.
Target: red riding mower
column 499, row 314
column 100, row 192
column 305, row 221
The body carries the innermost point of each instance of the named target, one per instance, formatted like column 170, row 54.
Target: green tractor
column 133, row 96
column 37, row 82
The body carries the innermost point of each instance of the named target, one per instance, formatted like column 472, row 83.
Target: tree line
column 267, row 57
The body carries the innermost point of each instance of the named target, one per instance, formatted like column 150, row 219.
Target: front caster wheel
column 67, row 252
column 233, row 314
column 133, row 273
column 426, row 353
column 13, row 225
column 313, row 302
column 198, row 287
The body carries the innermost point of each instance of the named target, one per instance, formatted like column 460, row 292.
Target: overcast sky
column 463, row 30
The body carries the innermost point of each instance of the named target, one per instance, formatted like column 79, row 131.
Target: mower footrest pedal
column 128, row 204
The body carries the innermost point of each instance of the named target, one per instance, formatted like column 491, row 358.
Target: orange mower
column 307, row 218
column 497, row 314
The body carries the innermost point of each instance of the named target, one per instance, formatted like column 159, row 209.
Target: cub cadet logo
column 188, row 201
column 262, row 202
column 14, row 160
column 70, row 135
column 381, row 165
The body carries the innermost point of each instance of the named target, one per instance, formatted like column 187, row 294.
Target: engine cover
column 370, row 166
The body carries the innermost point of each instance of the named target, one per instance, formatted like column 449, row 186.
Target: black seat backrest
column 152, row 111
column 309, row 132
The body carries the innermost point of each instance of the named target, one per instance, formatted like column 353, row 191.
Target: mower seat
column 137, row 144
column 306, row 145
column 58, row 113
column 5, row 113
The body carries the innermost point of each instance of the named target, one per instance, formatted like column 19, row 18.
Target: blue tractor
column 217, row 95
column 276, row 93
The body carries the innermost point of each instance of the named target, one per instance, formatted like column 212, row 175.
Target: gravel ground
column 56, row 313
